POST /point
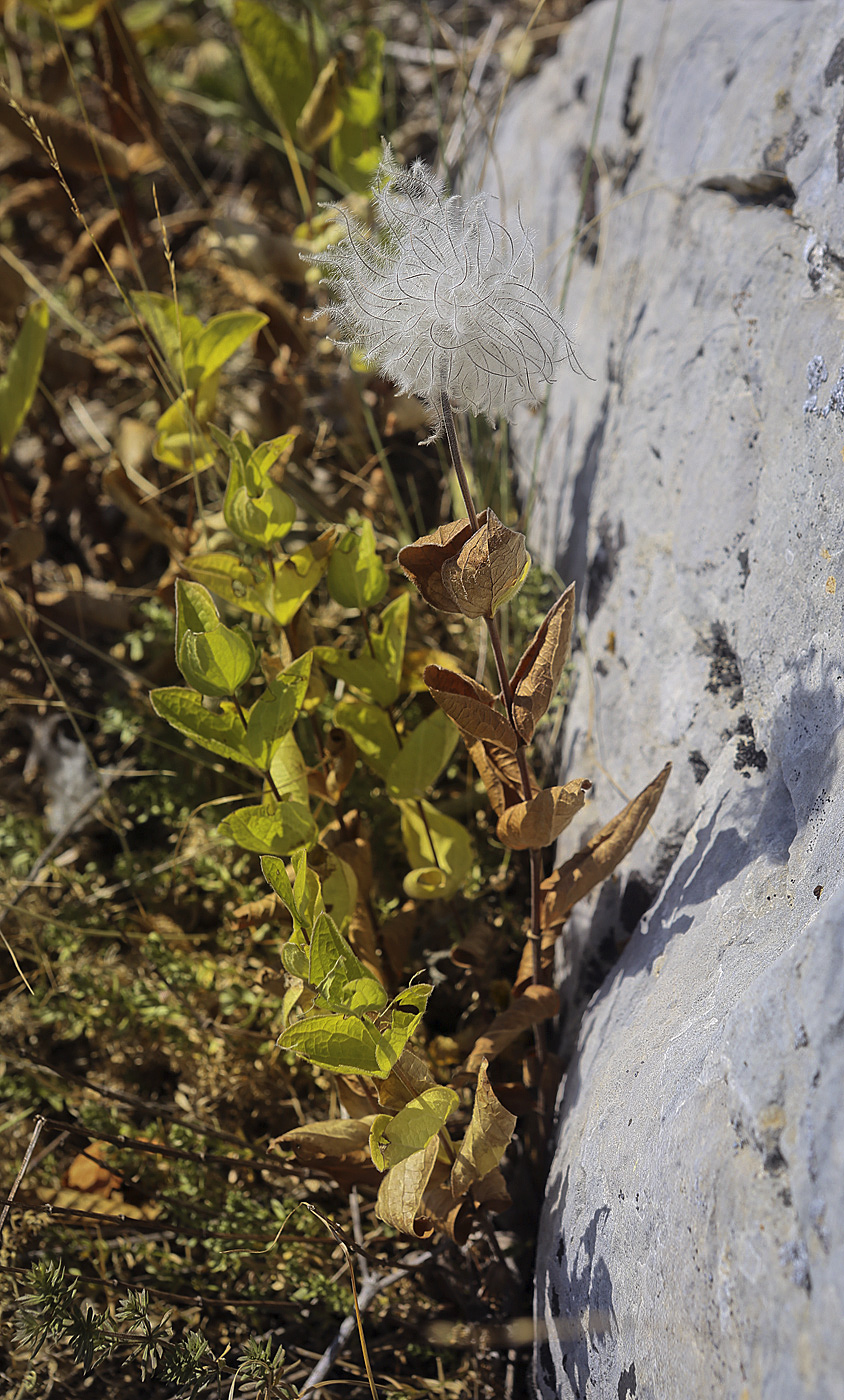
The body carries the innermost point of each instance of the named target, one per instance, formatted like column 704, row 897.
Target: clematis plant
column 444, row 301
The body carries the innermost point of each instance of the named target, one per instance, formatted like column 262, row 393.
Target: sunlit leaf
column 276, row 59
column 19, row 383
column 345, row 1044
column 486, row 1138
column 400, row 1193
column 371, row 730
column 273, row 715
column 423, row 756
column 221, row 730
column 289, row 770
column 216, row 662
column 225, row 575
column 433, row 839
column 392, row 1139
column 273, row 828
column 356, row 577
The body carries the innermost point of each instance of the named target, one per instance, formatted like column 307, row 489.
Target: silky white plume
column 442, row 299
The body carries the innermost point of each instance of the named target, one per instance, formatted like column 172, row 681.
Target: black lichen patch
column 627, row 1383
column 700, row 767
column 724, row 673
column 747, row 754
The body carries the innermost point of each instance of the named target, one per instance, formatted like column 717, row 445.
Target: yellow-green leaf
column 355, row 147
column 195, row 610
column 221, row 730
column 297, row 577
column 274, row 714
column 276, row 59
column 356, row 577
column 289, row 771
column 392, row 1139
column 19, row 383
column 226, row 576
column 345, row 1044
column 372, row 732
column 423, row 756
column 273, row 828
column 216, row 662
column 218, row 341
column 452, row 844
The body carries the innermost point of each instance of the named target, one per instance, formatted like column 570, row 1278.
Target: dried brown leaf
column 537, row 675
column 23, row 544
column 470, row 705
column 335, row 1138
column 535, row 1005
column 599, row 857
column 77, row 146
column 447, row 1213
column 397, row 936
column 423, row 560
column 531, row 825
column 491, row 1190
column 475, row 950
column 524, row 976
column 500, row 774
column 409, row 1078
column 342, row 754
column 488, row 570
column 401, row 1191
column 486, row 1138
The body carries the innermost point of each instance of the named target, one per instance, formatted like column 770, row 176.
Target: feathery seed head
column 443, row 299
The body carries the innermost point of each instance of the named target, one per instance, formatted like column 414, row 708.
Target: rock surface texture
column 693, row 1238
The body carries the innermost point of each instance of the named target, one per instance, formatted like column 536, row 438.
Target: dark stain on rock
column 724, row 673
column 627, row 1383
column 747, row 754
column 639, row 895
column 699, row 765
column 604, row 563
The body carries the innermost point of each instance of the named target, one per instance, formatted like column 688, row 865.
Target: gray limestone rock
column 693, row 487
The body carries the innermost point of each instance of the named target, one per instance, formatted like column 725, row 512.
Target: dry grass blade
column 537, row 675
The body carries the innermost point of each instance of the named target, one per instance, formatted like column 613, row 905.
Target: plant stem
column 267, row 774
column 535, row 936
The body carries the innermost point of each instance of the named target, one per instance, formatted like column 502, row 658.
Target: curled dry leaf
column 537, row 675
column 491, row 1190
column 486, row 1138
column 593, row 863
column 470, row 705
column 500, row 774
column 401, row 1191
column 489, row 569
column 334, row 1138
column 530, row 825
column 423, row 561
column 406, row 1080
column 342, row 755
column 447, row 1213
column 599, row 857
column 475, row 951
column 535, row 1005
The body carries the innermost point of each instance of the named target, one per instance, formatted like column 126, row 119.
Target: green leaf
column 195, row 610
column 289, row 771
column 221, row 730
column 355, row 149
column 365, row 994
column 328, row 948
column 406, row 1011
column 296, row 578
column 356, row 577
column 453, row 845
column 371, row 731
column 174, row 329
column 276, row 59
column 339, row 889
column 392, row 1139
column 274, row 714
column 226, row 576
column 428, row 882
column 216, row 662
column 255, row 509
column 274, row 828
column 424, row 755
column 364, row 673
column 294, row 959
column 345, row 1044
column 301, row 911
column 389, row 643
column 218, row 341
column 181, row 441
column 19, row 383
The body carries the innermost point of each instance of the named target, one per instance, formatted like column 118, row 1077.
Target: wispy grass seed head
column 443, row 299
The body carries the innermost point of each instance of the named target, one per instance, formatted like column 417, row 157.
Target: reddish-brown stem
column 535, row 935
